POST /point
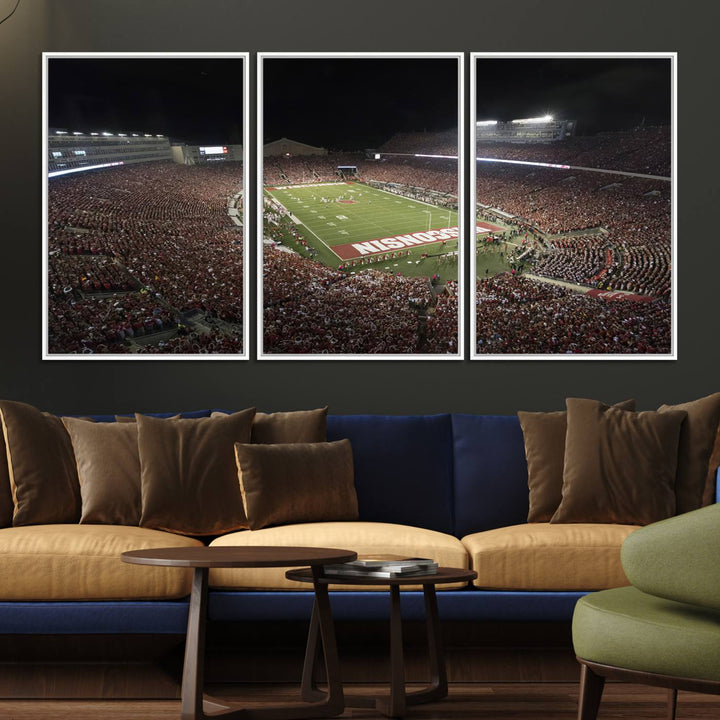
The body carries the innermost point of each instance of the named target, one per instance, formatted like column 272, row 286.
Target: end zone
column 350, row 251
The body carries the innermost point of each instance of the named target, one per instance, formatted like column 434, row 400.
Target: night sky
column 342, row 104
column 348, row 103
column 601, row 94
column 352, row 104
column 193, row 100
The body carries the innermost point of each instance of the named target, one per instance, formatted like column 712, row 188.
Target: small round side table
column 201, row 559
column 395, row 704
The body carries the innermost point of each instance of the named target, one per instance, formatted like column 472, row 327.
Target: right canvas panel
column 574, row 190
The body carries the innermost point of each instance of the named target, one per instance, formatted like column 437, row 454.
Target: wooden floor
column 476, row 701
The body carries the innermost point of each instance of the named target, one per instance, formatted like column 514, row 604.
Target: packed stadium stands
column 145, row 259
column 643, row 150
column 591, row 229
column 145, row 251
column 517, row 315
column 309, row 308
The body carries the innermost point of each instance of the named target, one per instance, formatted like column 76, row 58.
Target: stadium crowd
column 444, row 142
column 102, row 324
column 196, row 343
column 634, row 247
column 153, row 230
column 433, row 174
column 442, row 325
column 309, row 308
column 644, row 150
column 281, row 170
column 595, row 229
column 579, row 260
column 517, row 315
column 644, row 270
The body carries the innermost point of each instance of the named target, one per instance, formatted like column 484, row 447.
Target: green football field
column 343, row 222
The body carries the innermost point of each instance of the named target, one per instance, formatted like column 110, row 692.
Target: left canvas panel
column 144, row 195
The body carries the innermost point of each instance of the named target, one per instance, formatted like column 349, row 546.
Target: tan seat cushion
column 544, row 556
column 365, row 538
column 82, row 562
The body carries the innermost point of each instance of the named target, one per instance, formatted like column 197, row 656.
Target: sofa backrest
column 490, row 482
column 456, row 474
column 188, row 414
column 403, row 467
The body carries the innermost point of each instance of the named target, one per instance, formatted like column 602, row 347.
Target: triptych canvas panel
column 367, row 230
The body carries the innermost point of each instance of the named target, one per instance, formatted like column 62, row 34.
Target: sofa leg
column 591, row 688
column 672, row 703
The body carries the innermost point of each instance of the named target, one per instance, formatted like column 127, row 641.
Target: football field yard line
column 304, row 224
column 318, row 237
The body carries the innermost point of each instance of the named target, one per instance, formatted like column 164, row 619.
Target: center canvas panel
column 361, row 241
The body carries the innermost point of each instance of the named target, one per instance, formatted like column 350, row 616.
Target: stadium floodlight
column 92, row 133
column 159, row 136
column 61, row 132
column 487, row 122
column 544, row 118
column 442, row 157
column 77, row 133
column 107, row 134
column 147, row 135
column 524, row 162
column 57, row 173
column 122, row 134
column 135, row 135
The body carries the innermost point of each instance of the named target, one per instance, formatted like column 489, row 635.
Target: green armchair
column 664, row 629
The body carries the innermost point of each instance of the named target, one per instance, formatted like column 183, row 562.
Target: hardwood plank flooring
column 476, row 701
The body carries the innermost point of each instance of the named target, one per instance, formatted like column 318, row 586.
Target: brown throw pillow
column 188, row 474
column 544, row 435
column 697, row 438
column 297, row 426
column 297, row 482
column 108, row 465
column 6, row 501
column 41, row 466
column 619, row 466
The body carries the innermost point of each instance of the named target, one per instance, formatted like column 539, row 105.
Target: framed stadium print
column 574, row 185
column 360, row 206
column 144, row 253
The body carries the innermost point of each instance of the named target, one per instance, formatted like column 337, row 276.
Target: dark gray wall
column 370, row 25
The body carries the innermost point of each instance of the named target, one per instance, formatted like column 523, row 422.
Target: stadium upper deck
column 74, row 151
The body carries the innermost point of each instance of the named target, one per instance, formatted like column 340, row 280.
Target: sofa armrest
column 677, row 558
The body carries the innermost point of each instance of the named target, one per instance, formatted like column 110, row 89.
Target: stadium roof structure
column 285, row 146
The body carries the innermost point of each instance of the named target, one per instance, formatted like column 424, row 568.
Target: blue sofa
column 455, row 474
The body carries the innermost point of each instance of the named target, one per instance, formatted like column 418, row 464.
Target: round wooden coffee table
column 201, row 559
column 395, row 704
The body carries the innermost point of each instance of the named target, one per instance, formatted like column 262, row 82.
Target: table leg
column 396, row 704
column 322, row 643
column 335, row 703
column 438, row 687
column 193, row 669
column 195, row 707
column 309, row 688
